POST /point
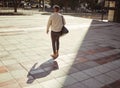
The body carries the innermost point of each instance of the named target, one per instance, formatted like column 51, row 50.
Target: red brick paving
column 98, row 50
column 115, row 84
column 3, row 69
column 80, row 60
column 108, row 59
column 106, row 87
column 9, row 82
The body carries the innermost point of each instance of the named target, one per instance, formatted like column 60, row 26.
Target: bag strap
column 62, row 20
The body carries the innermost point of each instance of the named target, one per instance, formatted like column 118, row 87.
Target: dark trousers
column 55, row 41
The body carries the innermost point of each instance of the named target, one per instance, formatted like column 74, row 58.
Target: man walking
column 56, row 24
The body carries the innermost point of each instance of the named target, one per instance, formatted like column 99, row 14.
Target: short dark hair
column 56, row 7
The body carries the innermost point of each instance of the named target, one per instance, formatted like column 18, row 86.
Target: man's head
column 56, row 8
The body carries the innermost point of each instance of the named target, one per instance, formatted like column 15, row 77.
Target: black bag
column 64, row 29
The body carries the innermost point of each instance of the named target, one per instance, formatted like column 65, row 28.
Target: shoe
column 54, row 56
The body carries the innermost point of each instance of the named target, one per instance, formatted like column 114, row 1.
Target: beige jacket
column 55, row 22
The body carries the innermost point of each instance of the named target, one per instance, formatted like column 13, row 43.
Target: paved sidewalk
column 89, row 57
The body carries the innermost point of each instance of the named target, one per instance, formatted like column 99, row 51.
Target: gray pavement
column 89, row 54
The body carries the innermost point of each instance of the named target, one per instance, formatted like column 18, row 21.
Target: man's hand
column 47, row 31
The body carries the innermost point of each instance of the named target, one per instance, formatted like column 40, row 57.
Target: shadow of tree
column 41, row 71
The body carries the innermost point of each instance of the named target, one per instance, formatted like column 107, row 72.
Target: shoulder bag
column 64, row 29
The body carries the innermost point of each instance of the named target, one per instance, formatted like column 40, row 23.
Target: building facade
column 114, row 10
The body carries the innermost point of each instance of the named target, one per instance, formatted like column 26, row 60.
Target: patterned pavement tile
column 104, row 79
column 3, row 69
column 69, row 60
column 58, row 73
column 25, row 82
column 76, row 85
column 81, row 60
column 9, row 82
column 91, row 63
column 45, row 78
column 113, row 74
column 29, row 64
column 99, row 55
column 116, row 62
column 111, row 52
column 103, row 49
column 34, row 86
column 3, row 54
column 5, row 77
column 80, row 76
column 66, row 80
column 92, row 72
column 92, row 83
column 91, row 57
column 111, row 66
column 18, row 73
column 31, row 86
column 69, row 70
column 14, row 67
column 1, row 64
column 51, row 84
column 118, row 70
column 80, row 54
column 101, row 61
column 89, row 52
column 63, row 63
column 12, row 85
column 9, row 62
column 10, row 47
column 21, row 59
column 81, row 66
column 102, row 69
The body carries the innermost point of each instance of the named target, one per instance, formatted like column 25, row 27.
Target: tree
column 66, row 5
column 15, row 4
column 42, row 3
column 74, row 4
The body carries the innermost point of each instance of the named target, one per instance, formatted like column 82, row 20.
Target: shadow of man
column 41, row 71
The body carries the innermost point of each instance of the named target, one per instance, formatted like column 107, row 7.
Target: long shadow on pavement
column 41, row 71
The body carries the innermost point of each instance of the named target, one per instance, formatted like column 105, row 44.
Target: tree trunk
column 15, row 8
column 51, row 3
column 15, row 5
column 66, row 5
column 39, row 5
column 43, row 5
